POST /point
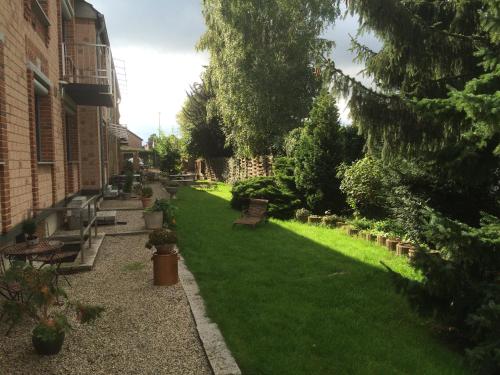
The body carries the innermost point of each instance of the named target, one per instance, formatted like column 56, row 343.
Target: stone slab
column 90, row 256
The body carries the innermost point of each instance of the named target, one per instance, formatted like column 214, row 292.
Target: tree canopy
column 262, row 55
column 201, row 129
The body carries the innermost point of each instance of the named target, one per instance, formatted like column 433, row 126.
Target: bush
column 161, row 237
column 282, row 203
column 330, row 220
column 365, row 185
column 168, row 210
column 302, row 214
column 461, row 285
column 146, row 192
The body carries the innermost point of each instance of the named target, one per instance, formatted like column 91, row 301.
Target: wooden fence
column 233, row 169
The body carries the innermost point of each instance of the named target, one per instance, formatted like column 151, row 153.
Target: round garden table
column 22, row 250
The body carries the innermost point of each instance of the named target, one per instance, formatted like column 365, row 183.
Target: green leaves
column 261, row 59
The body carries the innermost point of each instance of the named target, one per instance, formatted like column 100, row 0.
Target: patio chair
column 57, row 259
column 254, row 214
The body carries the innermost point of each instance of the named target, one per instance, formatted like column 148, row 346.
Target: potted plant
column 29, row 229
column 153, row 217
column 127, row 186
column 39, row 302
column 172, row 188
column 302, row 215
column 165, row 259
column 146, row 196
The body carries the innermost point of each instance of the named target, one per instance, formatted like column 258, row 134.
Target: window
column 38, row 127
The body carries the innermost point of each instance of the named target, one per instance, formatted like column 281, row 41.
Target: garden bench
column 254, row 214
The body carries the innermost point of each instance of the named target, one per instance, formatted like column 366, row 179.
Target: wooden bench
column 254, row 214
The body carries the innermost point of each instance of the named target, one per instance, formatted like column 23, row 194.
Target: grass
column 291, row 298
column 134, row 266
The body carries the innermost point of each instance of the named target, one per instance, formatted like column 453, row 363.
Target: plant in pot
column 146, row 196
column 153, row 217
column 165, row 259
column 29, row 229
column 40, row 301
column 127, row 186
column 168, row 210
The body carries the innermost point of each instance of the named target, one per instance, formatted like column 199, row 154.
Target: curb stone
column 219, row 356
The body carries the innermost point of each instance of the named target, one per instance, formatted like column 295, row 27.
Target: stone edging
column 220, row 358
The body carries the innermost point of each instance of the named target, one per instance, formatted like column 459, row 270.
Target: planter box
column 371, row 237
column 381, row 240
column 314, row 219
column 391, row 244
column 352, row 231
column 153, row 220
column 404, row 248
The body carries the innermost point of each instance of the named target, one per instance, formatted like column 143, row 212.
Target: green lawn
column 296, row 299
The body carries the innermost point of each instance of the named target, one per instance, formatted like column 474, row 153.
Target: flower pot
column 381, row 240
column 154, row 220
column 165, row 269
column 403, row 248
column 314, row 219
column 172, row 191
column 32, row 241
column 352, row 231
column 391, row 244
column 48, row 347
column 146, row 202
column 165, row 249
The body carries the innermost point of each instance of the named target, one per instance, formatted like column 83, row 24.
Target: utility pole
column 159, row 123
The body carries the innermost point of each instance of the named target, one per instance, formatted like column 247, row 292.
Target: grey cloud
column 173, row 25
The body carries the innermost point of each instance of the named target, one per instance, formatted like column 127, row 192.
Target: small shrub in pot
column 29, row 230
column 163, row 240
column 302, row 214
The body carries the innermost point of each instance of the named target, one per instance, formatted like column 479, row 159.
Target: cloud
column 169, row 25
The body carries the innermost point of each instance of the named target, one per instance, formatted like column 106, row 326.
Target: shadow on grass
column 295, row 299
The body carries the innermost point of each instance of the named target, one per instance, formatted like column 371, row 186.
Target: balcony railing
column 88, row 64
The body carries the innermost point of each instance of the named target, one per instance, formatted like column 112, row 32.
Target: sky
column 154, row 40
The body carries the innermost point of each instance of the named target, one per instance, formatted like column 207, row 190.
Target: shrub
column 161, row 237
column 330, row 220
column 302, row 214
column 129, row 181
column 282, row 203
column 168, row 210
column 361, row 223
column 365, row 185
column 461, row 285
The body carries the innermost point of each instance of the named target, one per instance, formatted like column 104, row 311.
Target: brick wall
column 25, row 183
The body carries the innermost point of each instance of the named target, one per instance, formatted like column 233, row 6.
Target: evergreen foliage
column 319, row 151
column 201, row 129
column 282, row 202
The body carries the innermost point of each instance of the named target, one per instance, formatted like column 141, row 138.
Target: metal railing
column 84, row 229
column 87, row 63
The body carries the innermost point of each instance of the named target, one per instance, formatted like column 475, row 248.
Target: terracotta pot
column 165, row 269
column 314, row 219
column 391, row 244
column 381, row 240
column 352, row 231
column 153, row 220
column 403, row 248
column 165, row 249
column 32, row 241
column 146, row 202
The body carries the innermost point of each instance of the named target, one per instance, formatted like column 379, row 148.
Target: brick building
column 58, row 105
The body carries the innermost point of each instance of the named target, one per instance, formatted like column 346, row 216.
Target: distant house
column 58, row 100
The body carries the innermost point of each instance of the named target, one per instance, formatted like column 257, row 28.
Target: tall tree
column 201, row 128
column 436, row 95
column 262, row 54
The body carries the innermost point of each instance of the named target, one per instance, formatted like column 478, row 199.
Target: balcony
column 88, row 74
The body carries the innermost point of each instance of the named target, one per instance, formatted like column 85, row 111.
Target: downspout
column 101, row 121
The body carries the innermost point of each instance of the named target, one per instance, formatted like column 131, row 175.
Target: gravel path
column 144, row 330
column 111, row 204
